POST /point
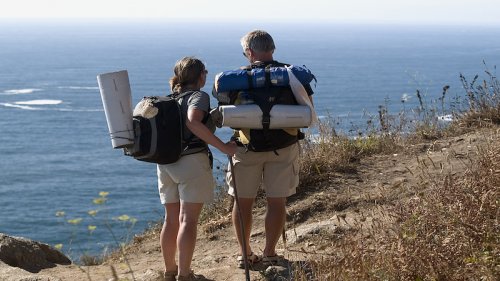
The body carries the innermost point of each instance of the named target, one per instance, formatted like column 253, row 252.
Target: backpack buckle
column 266, row 121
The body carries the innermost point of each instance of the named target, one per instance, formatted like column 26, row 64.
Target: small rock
column 149, row 275
column 258, row 233
column 220, row 259
column 277, row 272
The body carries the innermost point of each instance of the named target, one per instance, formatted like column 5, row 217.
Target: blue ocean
column 57, row 164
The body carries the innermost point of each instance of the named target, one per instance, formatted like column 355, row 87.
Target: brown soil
column 323, row 213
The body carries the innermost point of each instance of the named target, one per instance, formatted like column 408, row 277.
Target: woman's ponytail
column 187, row 72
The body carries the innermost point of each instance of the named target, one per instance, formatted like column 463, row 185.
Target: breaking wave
column 38, row 102
column 20, row 91
column 78, row 87
column 28, row 106
column 446, row 118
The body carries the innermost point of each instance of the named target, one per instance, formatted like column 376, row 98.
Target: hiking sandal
column 272, row 260
column 252, row 259
column 169, row 275
column 191, row 277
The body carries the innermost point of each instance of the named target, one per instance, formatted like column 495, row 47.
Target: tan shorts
column 279, row 174
column 189, row 180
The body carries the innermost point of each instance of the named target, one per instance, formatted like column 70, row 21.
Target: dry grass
column 483, row 101
column 448, row 230
column 330, row 153
column 451, row 231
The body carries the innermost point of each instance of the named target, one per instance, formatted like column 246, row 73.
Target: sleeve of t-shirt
column 199, row 100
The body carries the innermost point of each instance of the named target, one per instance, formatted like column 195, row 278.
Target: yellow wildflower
column 103, row 193
column 75, row 221
column 91, row 228
column 123, row 218
column 99, row 201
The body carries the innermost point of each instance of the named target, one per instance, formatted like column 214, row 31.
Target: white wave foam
column 78, row 88
column 446, row 118
column 79, row 110
column 20, row 106
column 38, row 102
column 28, row 107
column 20, row 91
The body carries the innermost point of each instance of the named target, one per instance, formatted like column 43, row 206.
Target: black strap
column 314, row 77
column 268, row 75
column 178, row 96
column 188, row 143
column 266, row 107
column 250, row 79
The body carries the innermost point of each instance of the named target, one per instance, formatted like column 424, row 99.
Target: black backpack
column 159, row 139
column 265, row 97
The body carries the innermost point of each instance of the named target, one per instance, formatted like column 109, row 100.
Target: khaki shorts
column 279, row 174
column 189, row 180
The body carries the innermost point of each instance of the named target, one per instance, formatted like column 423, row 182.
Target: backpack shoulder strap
column 178, row 96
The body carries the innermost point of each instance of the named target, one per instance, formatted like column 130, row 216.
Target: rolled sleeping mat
column 250, row 116
column 117, row 101
column 239, row 79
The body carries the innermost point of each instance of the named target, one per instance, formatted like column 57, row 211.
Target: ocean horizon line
column 236, row 22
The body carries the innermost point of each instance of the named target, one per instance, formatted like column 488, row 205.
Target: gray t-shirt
column 201, row 101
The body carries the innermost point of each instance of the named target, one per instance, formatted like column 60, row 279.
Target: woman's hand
column 195, row 125
column 230, row 148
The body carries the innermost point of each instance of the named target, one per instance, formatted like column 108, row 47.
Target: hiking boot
column 191, row 277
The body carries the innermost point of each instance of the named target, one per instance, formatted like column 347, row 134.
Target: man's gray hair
column 258, row 41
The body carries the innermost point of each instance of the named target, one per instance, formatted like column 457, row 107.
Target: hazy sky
column 405, row 11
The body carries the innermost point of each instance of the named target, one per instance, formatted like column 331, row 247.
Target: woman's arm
column 195, row 125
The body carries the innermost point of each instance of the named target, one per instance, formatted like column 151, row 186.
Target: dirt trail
column 345, row 201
